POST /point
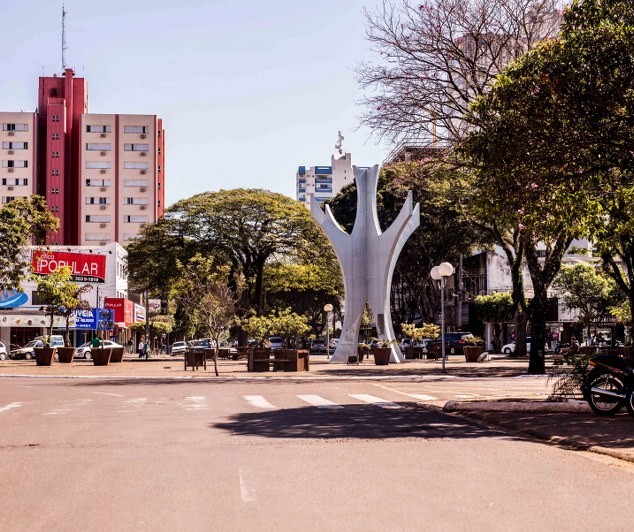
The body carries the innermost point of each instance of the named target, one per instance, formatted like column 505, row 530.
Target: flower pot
column 472, row 352
column 117, row 354
column 65, row 355
column 101, row 355
column 382, row 355
column 44, row 355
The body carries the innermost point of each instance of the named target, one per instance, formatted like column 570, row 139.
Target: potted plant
column 382, row 352
column 44, row 355
column 473, row 348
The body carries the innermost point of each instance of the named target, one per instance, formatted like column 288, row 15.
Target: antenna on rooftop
column 63, row 38
column 338, row 144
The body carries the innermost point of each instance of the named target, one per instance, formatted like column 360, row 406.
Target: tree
column 436, row 56
column 21, row 220
column 61, row 297
column 495, row 308
column 210, row 303
column 427, row 330
column 290, row 325
column 592, row 293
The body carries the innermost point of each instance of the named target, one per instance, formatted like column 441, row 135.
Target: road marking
column 68, row 407
column 10, row 406
column 466, row 396
column 134, row 403
column 318, row 401
column 374, row 400
column 247, row 492
column 423, row 397
column 195, row 402
column 107, row 393
column 258, row 401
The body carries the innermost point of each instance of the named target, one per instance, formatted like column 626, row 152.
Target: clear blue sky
column 248, row 90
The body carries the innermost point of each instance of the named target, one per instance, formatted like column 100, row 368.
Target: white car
column 3, row 351
column 179, row 348
column 510, row 348
column 84, row 350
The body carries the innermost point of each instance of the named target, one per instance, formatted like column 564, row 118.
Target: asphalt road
column 284, row 455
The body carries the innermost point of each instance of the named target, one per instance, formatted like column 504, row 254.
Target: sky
column 248, row 90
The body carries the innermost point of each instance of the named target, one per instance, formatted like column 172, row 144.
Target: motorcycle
column 610, row 384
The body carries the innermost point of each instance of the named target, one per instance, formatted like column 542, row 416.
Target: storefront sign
column 12, row 299
column 85, row 268
column 123, row 309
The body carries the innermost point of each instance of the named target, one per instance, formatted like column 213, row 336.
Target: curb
column 516, row 406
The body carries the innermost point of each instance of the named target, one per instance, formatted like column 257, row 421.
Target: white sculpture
column 367, row 258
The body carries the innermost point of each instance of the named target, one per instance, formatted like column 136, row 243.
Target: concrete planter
column 66, row 355
column 101, row 355
column 117, row 354
column 44, row 355
column 382, row 355
column 472, row 352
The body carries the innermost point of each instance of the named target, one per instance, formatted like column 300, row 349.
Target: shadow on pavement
column 355, row 421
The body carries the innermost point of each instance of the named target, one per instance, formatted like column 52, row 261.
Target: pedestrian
column 95, row 342
column 146, row 347
column 130, row 344
column 141, row 348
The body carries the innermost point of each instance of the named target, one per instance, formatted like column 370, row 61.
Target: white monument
column 367, row 259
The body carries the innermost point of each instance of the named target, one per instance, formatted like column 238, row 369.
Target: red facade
column 123, row 309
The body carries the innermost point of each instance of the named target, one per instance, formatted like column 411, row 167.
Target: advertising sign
column 11, row 299
column 95, row 319
column 154, row 306
column 85, row 267
column 123, row 309
column 139, row 313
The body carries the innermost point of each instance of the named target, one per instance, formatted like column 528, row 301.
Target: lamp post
column 327, row 310
column 440, row 274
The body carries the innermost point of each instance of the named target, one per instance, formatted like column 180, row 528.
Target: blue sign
column 96, row 318
column 12, row 299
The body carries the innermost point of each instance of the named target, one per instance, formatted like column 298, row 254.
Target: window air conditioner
column 11, row 133
column 142, row 189
column 103, row 153
column 102, row 207
column 102, row 171
column 9, row 188
column 143, row 135
column 143, row 154
column 103, row 226
column 103, row 135
column 143, row 207
column 10, row 170
column 144, row 172
column 10, row 152
column 103, row 189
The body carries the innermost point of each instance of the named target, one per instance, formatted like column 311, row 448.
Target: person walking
column 130, row 345
column 147, row 349
column 141, row 348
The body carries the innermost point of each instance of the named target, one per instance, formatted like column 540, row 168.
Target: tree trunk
column 539, row 306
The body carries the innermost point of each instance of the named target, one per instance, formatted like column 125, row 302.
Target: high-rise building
column 324, row 182
column 103, row 175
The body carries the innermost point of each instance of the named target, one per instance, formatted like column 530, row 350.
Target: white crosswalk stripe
column 423, row 397
column 318, row 401
column 10, row 406
column 258, row 401
column 68, row 407
column 196, row 402
column 366, row 398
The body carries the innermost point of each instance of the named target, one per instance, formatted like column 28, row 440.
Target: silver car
column 3, row 351
column 84, row 350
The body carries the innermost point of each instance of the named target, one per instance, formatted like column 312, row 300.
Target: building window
column 16, row 182
column 97, row 237
column 54, row 208
column 55, row 154
column 55, row 118
column 55, row 136
column 136, row 129
column 136, row 147
column 136, row 201
column 15, row 164
column 15, row 145
column 54, row 172
column 96, row 146
column 15, row 127
column 97, row 182
column 96, row 218
column 98, row 165
column 129, row 165
column 136, row 183
column 136, row 219
column 98, row 129
column 7, row 199
column 97, row 201
column 55, row 190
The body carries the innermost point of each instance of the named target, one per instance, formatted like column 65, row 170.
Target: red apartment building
column 102, row 175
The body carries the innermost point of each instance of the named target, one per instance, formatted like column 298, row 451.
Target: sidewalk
column 568, row 424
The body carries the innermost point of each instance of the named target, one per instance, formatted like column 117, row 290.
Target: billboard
column 85, row 267
column 96, row 319
column 123, row 309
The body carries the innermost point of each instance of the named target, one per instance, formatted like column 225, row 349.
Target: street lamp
column 440, row 274
column 327, row 310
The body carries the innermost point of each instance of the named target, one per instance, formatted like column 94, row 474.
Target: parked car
column 318, row 347
column 27, row 352
column 56, row 340
column 334, row 342
column 202, row 343
column 3, row 352
column 276, row 342
column 178, row 348
column 454, row 341
column 85, row 350
column 510, row 348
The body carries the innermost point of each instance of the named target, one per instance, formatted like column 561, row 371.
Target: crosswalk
column 193, row 403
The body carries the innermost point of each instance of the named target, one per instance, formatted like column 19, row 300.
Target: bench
column 260, row 360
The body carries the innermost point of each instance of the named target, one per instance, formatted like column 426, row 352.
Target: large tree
column 22, row 221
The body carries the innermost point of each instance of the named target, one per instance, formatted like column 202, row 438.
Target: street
column 283, row 455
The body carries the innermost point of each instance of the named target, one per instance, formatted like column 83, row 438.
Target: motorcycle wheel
column 601, row 404
column 629, row 402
